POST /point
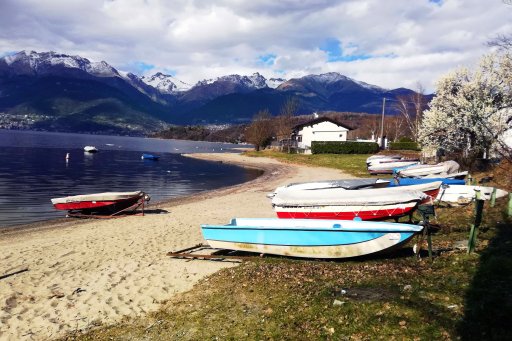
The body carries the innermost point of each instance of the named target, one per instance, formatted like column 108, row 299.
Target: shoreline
column 55, row 223
column 90, row 272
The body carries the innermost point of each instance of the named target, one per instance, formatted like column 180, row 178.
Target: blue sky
column 386, row 43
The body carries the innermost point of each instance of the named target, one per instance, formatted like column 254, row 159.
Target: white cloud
column 408, row 41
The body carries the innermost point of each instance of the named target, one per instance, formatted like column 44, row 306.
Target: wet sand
column 82, row 273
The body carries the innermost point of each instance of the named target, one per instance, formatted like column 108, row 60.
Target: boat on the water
column 146, row 156
column 108, row 202
column 439, row 170
column 338, row 203
column 460, row 195
column 90, row 149
column 349, row 184
column 308, row 238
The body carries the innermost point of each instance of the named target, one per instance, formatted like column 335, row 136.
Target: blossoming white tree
column 472, row 109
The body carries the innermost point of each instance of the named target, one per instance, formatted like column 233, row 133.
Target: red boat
column 108, row 202
column 366, row 204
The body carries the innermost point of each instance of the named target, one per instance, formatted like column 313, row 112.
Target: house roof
column 319, row 120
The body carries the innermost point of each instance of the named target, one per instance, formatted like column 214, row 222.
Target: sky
column 394, row 43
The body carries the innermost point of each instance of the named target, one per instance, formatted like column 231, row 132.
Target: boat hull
column 113, row 201
column 389, row 167
column 460, row 195
column 308, row 238
column 340, row 212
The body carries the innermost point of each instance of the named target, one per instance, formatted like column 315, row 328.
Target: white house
column 318, row 129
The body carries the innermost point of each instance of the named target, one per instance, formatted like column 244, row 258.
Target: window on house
column 299, row 138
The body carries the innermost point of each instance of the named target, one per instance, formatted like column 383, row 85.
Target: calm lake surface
column 33, row 169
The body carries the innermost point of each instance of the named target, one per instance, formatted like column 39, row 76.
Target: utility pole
column 382, row 123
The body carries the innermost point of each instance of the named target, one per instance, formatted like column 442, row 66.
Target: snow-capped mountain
column 255, row 81
column 331, row 81
column 166, row 84
column 40, row 63
column 72, row 93
column 275, row 82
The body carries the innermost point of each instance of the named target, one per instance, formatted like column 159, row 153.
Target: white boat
column 349, row 184
column 90, row 149
column 387, row 166
column 459, row 195
column 365, row 204
column 308, row 238
column 377, row 157
column 458, row 175
column 99, row 201
column 440, row 169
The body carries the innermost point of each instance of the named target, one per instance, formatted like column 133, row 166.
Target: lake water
column 33, row 169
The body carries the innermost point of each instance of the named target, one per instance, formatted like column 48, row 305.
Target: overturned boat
column 101, row 203
column 439, row 170
column 308, row 238
column 348, row 184
column 387, row 166
column 460, row 195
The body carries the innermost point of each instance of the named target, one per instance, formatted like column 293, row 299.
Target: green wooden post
column 473, row 232
column 429, row 243
column 493, row 197
column 509, row 205
column 426, row 211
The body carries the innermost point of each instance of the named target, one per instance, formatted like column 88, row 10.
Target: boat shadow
column 155, row 211
column 488, row 300
column 403, row 252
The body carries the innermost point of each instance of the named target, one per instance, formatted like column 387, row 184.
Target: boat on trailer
column 100, row 203
column 348, row 184
column 460, row 195
column 387, row 166
column 439, row 170
column 398, row 181
column 365, row 204
column 308, row 238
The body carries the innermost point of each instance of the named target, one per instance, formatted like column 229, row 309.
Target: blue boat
column 308, row 238
column 413, row 181
column 150, row 157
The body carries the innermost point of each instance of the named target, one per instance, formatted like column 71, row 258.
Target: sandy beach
column 82, row 273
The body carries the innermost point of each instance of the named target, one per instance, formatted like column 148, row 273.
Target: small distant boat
column 149, row 157
column 308, row 238
column 90, row 149
column 100, row 202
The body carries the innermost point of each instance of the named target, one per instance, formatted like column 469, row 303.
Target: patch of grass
column 353, row 164
column 386, row 297
column 393, row 296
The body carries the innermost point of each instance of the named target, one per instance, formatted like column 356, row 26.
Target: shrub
column 404, row 146
column 343, row 147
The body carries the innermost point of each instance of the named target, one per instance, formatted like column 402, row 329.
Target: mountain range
column 59, row 92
